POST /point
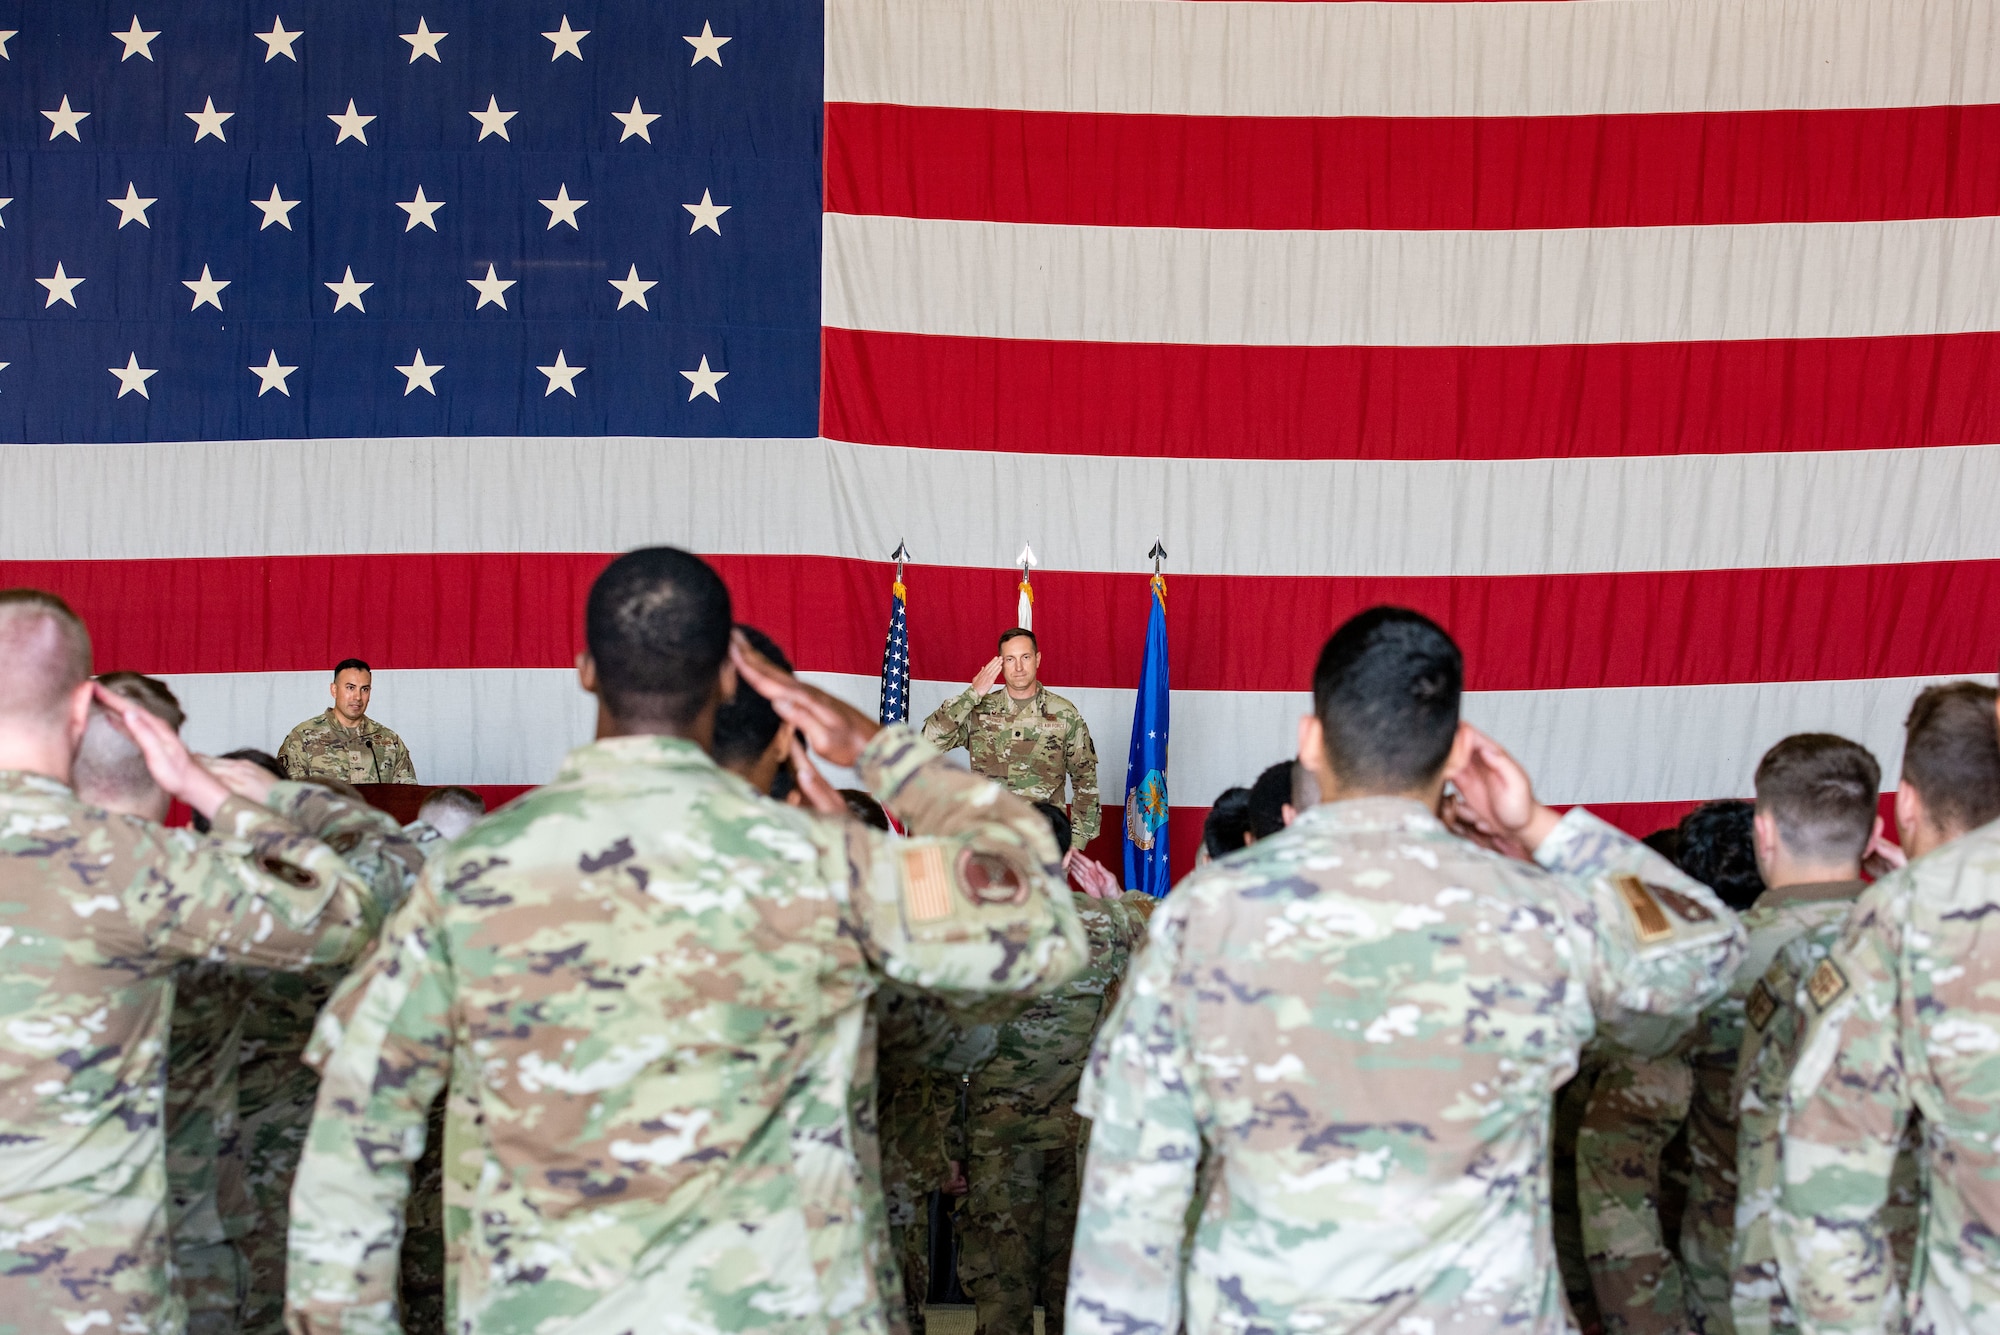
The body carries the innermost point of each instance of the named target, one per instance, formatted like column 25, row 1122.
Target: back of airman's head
column 452, row 811
column 44, row 656
column 1386, row 691
column 657, row 627
column 746, row 726
column 109, row 769
column 1951, row 755
column 1822, row 790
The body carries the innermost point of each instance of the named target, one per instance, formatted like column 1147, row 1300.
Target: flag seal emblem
column 1146, row 810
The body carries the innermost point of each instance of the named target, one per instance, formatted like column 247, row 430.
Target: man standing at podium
column 344, row 743
column 1026, row 737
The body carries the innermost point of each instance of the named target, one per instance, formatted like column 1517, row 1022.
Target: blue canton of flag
column 896, row 660
column 1146, row 767
column 490, row 218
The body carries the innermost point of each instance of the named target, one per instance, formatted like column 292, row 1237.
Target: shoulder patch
column 1826, row 984
column 987, row 879
column 1649, row 920
column 926, row 889
column 1688, row 907
column 1759, row 1006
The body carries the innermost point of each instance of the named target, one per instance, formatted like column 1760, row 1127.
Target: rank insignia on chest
column 1649, row 920
column 1826, row 984
column 1760, row 1006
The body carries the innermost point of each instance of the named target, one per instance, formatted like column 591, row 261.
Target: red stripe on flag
column 1561, row 401
column 524, row 610
column 1413, row 173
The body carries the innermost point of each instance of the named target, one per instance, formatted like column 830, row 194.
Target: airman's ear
column 586, row 672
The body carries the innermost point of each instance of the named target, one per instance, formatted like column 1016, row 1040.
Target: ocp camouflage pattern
column 1902, row 1017
column 1030, row 746
column 1359, row 1023
column 651, row 985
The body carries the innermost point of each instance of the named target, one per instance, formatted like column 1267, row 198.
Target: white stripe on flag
column 969, row 508
column 1558, row 59
column 1652, row 744
column 1413, row 289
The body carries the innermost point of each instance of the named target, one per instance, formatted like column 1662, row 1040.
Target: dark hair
column 657, row 626
column 351, row 664
column 1666, row 842
column 1227, row 822
column 1265, row 814
column 149, row 693
column 1718, row 848
column 1058, row 824
column 1386, row 690
column 1822, row 790
column 263, row 760
column 1951, row 754
column 745, row 724
column 1018, row 633
column 864, row 808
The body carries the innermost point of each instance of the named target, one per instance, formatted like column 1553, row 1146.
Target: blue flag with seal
column 1146, row 766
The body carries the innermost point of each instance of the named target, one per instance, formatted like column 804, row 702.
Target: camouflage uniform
column 651, row 985
column 1635, row 1108
column 204, row 1146
column 1025, row 1139
column 1027, row 745
column 1803, row 922
column 323, row 748
column 276, row 1089
column 1902, row 1016
column 915, row 1105
column 1361, row 1022
column 96, row 910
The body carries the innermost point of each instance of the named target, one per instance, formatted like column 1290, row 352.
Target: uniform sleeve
column 405, row 768
column 1080, row 758
column 1655, row 946
column 1145, row 1143
column 380, row 851
column 950, row 724
column 292, row 755
column 383, row 1051
column 1846, row 1106
column 975, row 902
column 268, row 887
column 1636, row 1106
column 1770, row 1036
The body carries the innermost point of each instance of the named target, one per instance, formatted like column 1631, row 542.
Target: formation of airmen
column 688, row 1057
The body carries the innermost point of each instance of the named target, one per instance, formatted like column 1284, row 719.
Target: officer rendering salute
column 1352, row 1032
column 344, row 743
column 1026, row 738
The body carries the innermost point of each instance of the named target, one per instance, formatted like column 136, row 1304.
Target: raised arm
column 950, row 724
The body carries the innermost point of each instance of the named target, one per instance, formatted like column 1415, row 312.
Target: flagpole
column 1024, row 609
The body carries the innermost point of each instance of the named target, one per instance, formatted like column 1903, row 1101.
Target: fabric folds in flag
column 896, row 658
column 1146, row 767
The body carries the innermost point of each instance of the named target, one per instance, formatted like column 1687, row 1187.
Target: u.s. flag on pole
column 1649, row 345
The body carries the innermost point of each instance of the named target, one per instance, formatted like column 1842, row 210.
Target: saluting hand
column 168, row 760
column 1497, row 795
column 987, row 678
column 834, row 728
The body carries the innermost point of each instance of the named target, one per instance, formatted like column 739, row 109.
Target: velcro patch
column 926, row 887
column 1649, row 920
column 1760, row 1006
column 1688, row 907
column 1826, row 984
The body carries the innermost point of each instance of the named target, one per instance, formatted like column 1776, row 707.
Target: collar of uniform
column 609, row 755
column 1032, row 703
column 26, row 781
column 1371, row 813
column 368, row 725
column 1809, row 890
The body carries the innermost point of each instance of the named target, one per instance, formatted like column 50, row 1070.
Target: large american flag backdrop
column 1649, row 344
